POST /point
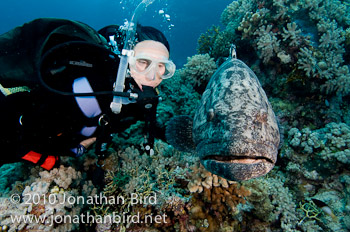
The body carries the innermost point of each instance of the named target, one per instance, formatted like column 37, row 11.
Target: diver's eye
column 161, row 68
column 142, row 64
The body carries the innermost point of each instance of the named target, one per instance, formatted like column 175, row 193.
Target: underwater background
column 182, row 21
column 299, row 50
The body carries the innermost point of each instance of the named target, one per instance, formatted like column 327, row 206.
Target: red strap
column 34, row 157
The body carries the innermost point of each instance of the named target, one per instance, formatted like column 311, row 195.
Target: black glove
column 146, row 96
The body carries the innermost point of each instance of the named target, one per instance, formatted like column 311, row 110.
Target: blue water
column 189, row 17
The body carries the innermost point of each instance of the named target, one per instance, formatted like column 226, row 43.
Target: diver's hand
column 88, row 142
column 84, row 145
column 146, row 93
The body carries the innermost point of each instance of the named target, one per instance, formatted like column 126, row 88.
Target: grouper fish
column 234, row 131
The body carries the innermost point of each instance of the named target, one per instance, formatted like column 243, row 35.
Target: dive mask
column 149, row 66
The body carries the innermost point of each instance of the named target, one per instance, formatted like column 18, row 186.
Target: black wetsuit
column 51, row 124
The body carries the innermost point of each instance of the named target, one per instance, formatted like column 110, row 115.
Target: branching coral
column 206, row 40
column 331, row 142
column 326, row 60
column 251, row 22
column 178, row 98
column 341, row 84
column 272, row 200
column 292, row 34
column 324, row 151
column 218, row 205
column 307, row 61
column 332, row 37
column 304, row 35
column 236, row 10
column 331, row 8
column 281, row 8
column 199, row 69
column 268, row 44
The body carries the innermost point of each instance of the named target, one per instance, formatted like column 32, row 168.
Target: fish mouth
column 237, row 159
column 227, row 152
column 238, row 169
column 237, row 163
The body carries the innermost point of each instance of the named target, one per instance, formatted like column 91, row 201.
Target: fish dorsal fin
column 179, row 133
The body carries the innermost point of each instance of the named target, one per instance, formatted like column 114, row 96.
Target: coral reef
column 329, row 145
column 200, row 178
column 267, row 42
column 198, row 70
column 7, row 172
column 235, row 11
column 302, row 47
column 183, row 190
column 178, row 97
column 271, row 200
column 300, row 52
column 44, row 203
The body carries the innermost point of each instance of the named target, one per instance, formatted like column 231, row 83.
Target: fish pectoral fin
column 179, row 133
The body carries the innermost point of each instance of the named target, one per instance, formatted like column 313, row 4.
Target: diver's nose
column 151, row 75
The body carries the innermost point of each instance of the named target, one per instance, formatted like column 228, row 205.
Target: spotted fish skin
column 235, row 129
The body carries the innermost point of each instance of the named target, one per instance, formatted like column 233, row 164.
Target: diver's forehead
column 152, row 48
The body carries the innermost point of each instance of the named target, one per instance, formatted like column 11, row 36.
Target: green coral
column 327, row 148
column 216, row 43
column 235, row 11
column 198, row 70
column 347, row 36
column 178, row 98
column 297, row 47
column 207, row 40
column 275, row 30
column 270, row 200
column 131, row 136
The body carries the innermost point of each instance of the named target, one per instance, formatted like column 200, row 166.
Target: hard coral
column 44, row 206
column 292, row 34
column 178, row 98
column 235, row 11
column 329, row 144
column 217, row 206
column 268, row 44
column 307, row 33
column 200, row 179
column 199, row 69
column 272, row 202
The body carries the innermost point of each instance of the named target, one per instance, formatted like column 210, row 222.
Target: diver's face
column 144, row 71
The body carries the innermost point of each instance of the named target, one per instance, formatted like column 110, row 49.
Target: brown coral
column 220, row 197
column 37, row 210
column 217, row 205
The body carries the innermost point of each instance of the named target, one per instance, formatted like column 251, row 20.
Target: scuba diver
column 57, row 82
